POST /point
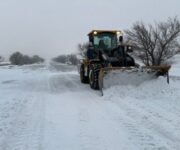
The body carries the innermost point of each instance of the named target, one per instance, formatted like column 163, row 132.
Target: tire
column 83, row 78
column 93, row 76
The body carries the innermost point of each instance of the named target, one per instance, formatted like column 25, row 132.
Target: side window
column 96, row 40
column 107, row 41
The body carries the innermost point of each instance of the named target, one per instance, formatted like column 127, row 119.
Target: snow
column 129, row 77
column 45, row 107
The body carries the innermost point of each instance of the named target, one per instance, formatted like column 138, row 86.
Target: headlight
column 95, row 32
column 129, row 47
column 118, row 33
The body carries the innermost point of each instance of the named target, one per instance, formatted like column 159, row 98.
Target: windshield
column 105, row 41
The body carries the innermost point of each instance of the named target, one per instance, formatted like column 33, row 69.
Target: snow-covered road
column 44, row 107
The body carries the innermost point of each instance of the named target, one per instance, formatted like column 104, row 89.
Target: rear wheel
column 83, row 78
column 93, row 76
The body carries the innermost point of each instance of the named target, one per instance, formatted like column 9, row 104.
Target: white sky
column 53, row 27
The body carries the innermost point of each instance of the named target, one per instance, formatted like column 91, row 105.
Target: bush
column 67, row 59
column 19, row 59
column 36, row 59
column 60, row 59
column 16, row 58
column 72, row 59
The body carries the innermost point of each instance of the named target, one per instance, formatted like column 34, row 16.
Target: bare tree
column 154, row 45
column 82, row 48
column 73, row 59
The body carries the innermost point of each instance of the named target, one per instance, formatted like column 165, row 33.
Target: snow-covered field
column 45, row 107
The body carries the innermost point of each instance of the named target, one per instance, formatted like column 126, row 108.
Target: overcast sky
column 53, row 27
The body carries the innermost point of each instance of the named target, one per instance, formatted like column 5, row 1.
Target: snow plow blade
column 153, row 71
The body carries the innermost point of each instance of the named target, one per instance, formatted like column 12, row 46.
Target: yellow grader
column 106, row 53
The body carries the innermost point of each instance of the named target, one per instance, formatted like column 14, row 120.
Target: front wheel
column 83, row 78
column 93, row 76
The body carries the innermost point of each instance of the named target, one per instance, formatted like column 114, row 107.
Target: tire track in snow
column 166, row 115
column 30, row 138
column 26, row 130
column 160, row 116
column 100, row 129
column 90, row 140
column 139, row 135
column 140, row 138
column 148, row 132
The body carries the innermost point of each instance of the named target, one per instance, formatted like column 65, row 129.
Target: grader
column 106, row 52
